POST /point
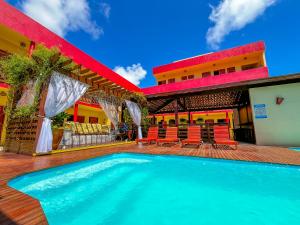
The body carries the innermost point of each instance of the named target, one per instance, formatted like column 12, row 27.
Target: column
column 75, row 112
column 176, row 112
column 31, row 48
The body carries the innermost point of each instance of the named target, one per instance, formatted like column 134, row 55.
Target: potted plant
column 58, row 128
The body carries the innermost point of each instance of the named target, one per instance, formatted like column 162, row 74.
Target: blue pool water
column 129, row 189
column 295, row 149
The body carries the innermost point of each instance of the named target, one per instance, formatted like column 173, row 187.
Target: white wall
column 282, row 125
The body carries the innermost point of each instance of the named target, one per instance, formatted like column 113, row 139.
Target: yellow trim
column 82, row 148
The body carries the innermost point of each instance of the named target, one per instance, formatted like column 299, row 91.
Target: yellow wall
column 238, row 62
column 10, row 41
column 3, row 96
column 245, row 115
column 282, row 125
column 87, row 112
column 3, row 102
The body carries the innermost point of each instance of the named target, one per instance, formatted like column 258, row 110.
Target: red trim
column 4, row 85
column 235, row 77
column 31, row 48
column 89, row 104
column 75, row 115
column 19, row 22
column 241, row 50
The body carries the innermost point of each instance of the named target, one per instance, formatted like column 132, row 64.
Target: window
column 170, row 81
column 80, row 119
column 222, row 71
column 231, row 69
column 198, row 121
column 221, row 120
column 93, row 119
column 206, row 74
column 219, row 72
column 216, row 72
column 190, row 77
column 183, row 121
column 172, row 122
column 162, row 82
column 249, row 66
column 184, row 78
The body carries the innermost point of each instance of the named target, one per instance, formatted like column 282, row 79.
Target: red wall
column 236, row 77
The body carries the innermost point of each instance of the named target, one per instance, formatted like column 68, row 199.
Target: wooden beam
column 94, row 79
column 103, row 83
column 67, row 62
column 55, row 58
column 84, row 71
column 164, row 105
column 104, row 80
column 179, row 103
column 76, row 67
column 87, row 76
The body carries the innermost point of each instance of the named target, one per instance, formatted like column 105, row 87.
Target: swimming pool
column 169, row 190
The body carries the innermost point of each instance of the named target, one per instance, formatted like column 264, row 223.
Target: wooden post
column 41, row 116
column 153, row 119
column 75, row 116
column 227, row 119
column 176, row 112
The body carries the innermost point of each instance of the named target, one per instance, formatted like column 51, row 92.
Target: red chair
column 222, row 137
column 194, row 136
column 171, row 136
column 151, row 136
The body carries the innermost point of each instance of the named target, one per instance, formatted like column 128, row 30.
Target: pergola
column 22, row 136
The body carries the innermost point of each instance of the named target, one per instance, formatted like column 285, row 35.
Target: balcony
column 229, row 78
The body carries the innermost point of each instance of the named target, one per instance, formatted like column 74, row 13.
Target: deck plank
column 19, row 208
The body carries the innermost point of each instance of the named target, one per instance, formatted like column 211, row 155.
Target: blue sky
column 133, row 36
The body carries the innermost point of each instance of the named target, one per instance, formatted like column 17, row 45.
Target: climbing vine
column 20, row 70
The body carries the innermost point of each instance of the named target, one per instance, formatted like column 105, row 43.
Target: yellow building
column 212, row 64
column 185, row 91
column 12, row 42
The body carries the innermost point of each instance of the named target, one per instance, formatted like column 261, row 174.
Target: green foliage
column 141, row 100
column 58, row 120
column 127, row 118
column 145, row 120
column 17, row 69
column 137, row 97
column 20, row 69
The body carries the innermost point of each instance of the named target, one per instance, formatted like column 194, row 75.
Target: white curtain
column 28, row 94
column 111, row 110
column 136, row 115
column 63, row 92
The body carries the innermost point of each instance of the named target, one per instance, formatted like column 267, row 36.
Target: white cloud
column 105, row 9
column 232, row 15
column 62, row 16
column 134, row 73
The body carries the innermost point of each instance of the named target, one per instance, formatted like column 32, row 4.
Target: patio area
column 19, row 208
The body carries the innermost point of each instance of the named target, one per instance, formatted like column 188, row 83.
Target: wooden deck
column 19, row 208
